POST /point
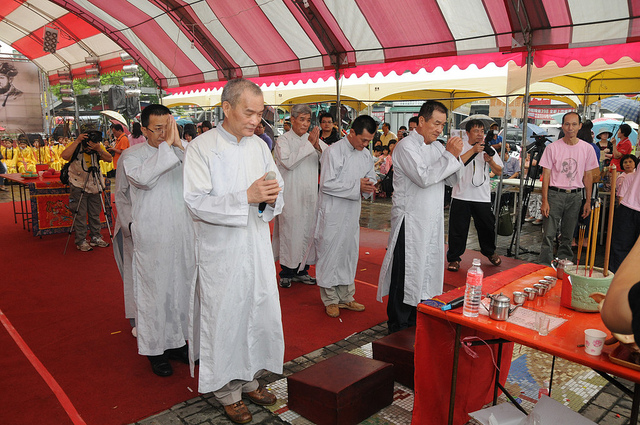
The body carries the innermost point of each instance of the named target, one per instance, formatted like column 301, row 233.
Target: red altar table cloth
column 48, row 206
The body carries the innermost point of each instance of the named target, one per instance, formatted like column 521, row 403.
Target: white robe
column 163, row 261
column 122, row 243
column 297, row 161
column 419, row 173
column 239, row 328
column 337, row 232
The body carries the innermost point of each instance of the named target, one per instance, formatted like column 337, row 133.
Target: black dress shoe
column 181, row 354
column 160, row 365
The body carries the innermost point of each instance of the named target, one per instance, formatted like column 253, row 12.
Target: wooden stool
column 343, row 390
column 398, row 349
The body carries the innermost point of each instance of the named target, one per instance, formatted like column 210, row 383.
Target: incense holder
column 576, row 288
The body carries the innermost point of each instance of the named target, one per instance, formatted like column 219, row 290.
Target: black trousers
column 401, row 315
column 460, row 214
column 625, row 233
column 287, row 272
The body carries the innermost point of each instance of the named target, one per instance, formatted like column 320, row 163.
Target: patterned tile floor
column 573, row 385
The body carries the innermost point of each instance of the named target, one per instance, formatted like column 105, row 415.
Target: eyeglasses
column 160, row 130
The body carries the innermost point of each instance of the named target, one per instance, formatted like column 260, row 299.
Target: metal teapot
column 560, row 265
column 499, row 307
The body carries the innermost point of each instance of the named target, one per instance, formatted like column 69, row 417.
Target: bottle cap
column 476, row 262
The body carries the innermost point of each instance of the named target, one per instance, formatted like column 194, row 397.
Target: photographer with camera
column 85, row 184
column 471, row 197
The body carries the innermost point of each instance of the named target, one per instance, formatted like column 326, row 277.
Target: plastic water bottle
column 473, row 293
column 544, row 390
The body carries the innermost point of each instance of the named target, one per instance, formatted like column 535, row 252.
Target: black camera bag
column 64, row 172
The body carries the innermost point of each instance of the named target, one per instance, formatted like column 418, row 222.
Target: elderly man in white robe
column 239, row 329
column 413, row 267
column 297, row 155
column 163, row 262
column 347, row 172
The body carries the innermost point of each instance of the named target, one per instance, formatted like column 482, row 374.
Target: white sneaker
column 84, row 246
column 99, row 242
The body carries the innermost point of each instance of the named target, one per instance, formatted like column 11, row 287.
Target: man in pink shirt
column 623, row 147
column 567, row 165
column 626, row 222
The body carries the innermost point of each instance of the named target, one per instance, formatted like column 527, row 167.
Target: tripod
column 92, row 173
column 533, row 174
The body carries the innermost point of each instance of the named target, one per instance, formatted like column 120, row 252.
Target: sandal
column 495, row 259
column 454, row 266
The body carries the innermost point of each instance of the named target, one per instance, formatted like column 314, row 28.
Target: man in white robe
column 413, row 267
column 297, row 155
column 238, row 334
column 123, row 245
column 163, row 262
column 347, row 172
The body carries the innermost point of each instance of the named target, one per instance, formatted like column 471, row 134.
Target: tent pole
column 523, row 151
column 496, row 206
column 338, row 117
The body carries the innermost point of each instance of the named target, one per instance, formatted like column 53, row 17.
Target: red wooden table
column 563, row 341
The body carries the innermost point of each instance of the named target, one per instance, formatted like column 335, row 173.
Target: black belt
column 557, row 189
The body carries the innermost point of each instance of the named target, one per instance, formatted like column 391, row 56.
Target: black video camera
column 489, row 150
column 539, row 142
column 94, row 136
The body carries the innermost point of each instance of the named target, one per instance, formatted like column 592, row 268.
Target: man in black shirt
column 329, row 133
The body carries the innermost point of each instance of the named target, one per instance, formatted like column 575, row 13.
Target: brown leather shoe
column 332, row 310
column 454, row 266
column 353, row 306
column 238, row 412
column 262, row 396
column 495, row 259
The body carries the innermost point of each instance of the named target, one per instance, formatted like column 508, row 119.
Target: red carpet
column 69, row 311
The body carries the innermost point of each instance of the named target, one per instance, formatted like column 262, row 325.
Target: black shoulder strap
column 75, row 153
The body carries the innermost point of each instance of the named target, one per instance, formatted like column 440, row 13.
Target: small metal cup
column 551, row 279
column 519, row 297
column 542, row 289
column 531, row 293
column 547, row 283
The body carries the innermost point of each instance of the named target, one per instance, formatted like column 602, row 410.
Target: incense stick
column 586, row 260
column 583, row 227
column 596, row 219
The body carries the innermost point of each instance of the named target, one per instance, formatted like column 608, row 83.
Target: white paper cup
column 594, row 341
column 542, row 323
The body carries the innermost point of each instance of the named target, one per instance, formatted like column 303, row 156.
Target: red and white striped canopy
column 190, row 42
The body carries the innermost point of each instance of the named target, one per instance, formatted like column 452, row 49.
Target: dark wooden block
column 398, row 349
column 343, row 390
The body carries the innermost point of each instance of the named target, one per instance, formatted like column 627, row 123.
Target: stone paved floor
column 607, row 406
